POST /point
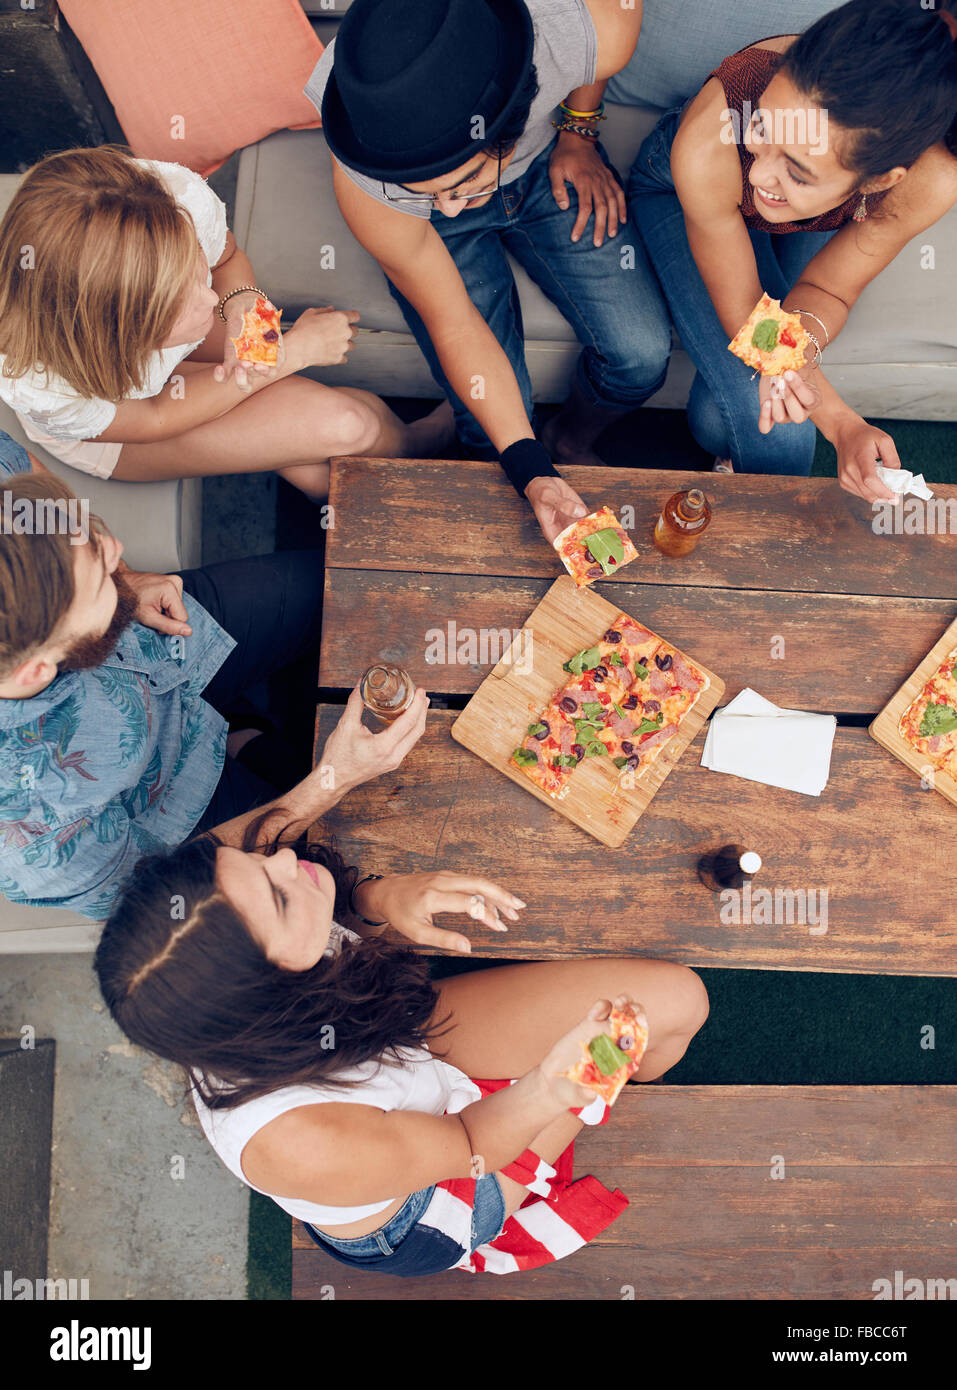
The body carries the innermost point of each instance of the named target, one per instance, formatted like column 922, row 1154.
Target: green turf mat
column 928, row 447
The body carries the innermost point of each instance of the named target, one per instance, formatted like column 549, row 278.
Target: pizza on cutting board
column 929, row 723
column 625, row 701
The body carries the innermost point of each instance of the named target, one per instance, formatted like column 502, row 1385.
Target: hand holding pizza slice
column 612, row 1042
column 571, row 1080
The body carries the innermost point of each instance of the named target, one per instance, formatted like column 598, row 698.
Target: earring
column 860, row 212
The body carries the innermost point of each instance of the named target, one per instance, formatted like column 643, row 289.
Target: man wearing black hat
column 441, row 115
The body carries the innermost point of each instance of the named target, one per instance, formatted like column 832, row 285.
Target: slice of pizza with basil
column 594, row 548
column 548, row 754
column 772, row 340
column 613, row 1055
column 929, row 723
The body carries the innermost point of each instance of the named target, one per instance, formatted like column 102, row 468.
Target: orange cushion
column 193, row 80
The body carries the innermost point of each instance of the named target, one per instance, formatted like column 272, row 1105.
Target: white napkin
column 903, row 483
column 755, row 739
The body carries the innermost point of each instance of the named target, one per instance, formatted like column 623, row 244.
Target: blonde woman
column 120, row 288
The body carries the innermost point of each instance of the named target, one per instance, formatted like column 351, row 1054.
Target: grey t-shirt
column 565, row 56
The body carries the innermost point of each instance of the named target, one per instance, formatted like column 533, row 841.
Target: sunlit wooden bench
column 758, row 1192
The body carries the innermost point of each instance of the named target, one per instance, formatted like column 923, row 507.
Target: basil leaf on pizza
column 583, row 661
column 938, row 719
column 524, row 757
column 607, row 1055
column 605, row 546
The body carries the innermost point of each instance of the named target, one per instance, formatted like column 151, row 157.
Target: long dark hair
column 183, row 977
column 886, row 71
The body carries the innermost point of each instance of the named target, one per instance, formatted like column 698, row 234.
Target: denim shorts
column 488, row 1218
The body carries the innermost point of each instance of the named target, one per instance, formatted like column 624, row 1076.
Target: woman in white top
column 120, row 288
column 311, row 1049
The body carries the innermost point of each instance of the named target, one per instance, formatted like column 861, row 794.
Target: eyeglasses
column 453, row 195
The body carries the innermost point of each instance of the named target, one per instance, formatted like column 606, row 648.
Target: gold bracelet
column 240, row 289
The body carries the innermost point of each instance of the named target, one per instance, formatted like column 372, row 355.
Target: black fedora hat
column 410, row 77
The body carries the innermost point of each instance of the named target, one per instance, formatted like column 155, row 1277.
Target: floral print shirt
column 107, row 765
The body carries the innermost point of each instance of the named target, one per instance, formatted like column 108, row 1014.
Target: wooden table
column 791, row 592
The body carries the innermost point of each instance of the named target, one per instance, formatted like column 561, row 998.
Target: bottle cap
column 750, row 862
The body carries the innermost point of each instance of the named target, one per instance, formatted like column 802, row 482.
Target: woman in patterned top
column 801, row 168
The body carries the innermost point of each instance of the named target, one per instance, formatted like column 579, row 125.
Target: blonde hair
column 96, row 257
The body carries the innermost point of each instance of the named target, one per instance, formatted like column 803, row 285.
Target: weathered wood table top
column 435, row 565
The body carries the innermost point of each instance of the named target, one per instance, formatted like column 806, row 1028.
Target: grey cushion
column 680, row 43
column 160, row 524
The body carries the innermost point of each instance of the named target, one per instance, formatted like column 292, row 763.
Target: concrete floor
column 120, row 1216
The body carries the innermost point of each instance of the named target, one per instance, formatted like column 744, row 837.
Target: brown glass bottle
column 386, row 691
column 732, row 866
column 683, row 519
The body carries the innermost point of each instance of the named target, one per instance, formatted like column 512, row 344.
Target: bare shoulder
column 283, row 1156
column 617, row 27
column 929, row 188
column 702, row 155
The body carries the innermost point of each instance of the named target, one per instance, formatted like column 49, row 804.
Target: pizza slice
column 772, row 340
column 548, row 754
column 929, row 723
column 594, row 547
column 601, row 671
column 614, row 1055
column 258, row 339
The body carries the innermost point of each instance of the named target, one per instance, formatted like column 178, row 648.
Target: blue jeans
column 724, row 403
column 607, row 293
column 488, row 1218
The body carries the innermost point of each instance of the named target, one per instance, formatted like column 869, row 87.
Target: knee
column 353, row 429
column 688, row 1002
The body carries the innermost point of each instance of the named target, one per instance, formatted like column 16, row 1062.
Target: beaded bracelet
column 807, row 313
column 817, row 346
column 240, row 289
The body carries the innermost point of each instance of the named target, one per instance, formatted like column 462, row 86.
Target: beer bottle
column 730, row 867
column 386, row 691
column 683, row 519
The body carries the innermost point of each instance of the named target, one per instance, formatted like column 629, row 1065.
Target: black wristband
column 524, row 460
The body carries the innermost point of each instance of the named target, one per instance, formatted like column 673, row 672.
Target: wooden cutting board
column 884, row 727
column 515, row 692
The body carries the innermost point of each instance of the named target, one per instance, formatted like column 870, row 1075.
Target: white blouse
column 416, row 1081
column 47, row 405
